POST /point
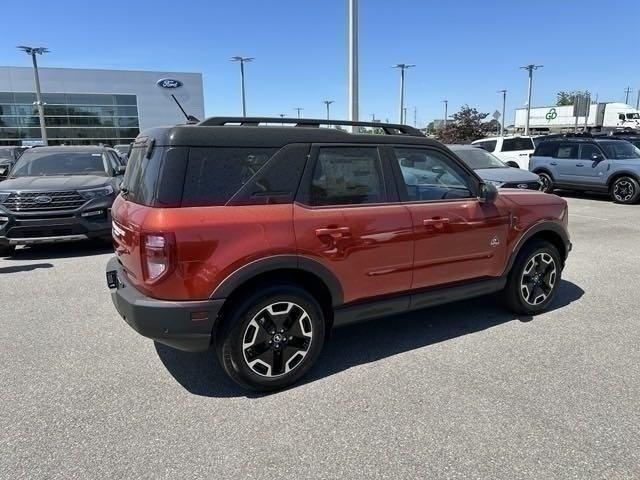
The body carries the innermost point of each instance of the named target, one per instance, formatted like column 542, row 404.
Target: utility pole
column 298, row 109
column 327, row 103
column 627, row 91
column 353, row 60
column 638, row 100
column 404, row 115
column 373, row 117
column 415, row 116
column 33, row 51
column 242, row 61
column 529, row 68
column 446, row 112
column 586, row 117
column 504, row 105
column 402, row 67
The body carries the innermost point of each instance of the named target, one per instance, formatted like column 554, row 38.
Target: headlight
column 4, row 196
column 494, row 183
column 96, row 192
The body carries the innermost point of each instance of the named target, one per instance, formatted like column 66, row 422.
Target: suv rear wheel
column 272, row 338
column 625, row 190
column 547, row 182
column 534, row 278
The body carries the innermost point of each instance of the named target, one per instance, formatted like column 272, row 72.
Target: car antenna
column 190, row 118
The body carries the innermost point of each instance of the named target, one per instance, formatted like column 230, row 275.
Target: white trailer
column 602, row 117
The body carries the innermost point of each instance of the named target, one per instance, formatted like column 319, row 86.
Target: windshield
column 633, row 116
column 620, row 150
column 41, row 164
column 477, row 158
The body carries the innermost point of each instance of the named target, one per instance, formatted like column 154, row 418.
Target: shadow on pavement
column 24, row 268
column 62, row 250
column 366, row 342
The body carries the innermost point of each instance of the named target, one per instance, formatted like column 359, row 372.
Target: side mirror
column 488, row 193
column 513, row 164
column 120, row 169
column 596, row 157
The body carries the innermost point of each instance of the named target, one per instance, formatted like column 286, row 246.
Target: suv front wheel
column 625, row 190
column 271, row 338
column 546, row 182
column 533, row 281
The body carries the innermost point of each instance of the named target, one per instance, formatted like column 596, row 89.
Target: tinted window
column 214, row 175
column 430, row 175
column 478, row 158
column 347, row 176
column 489, row 145
column 37, row 163
column 141, row 175
column 620, row 150
column 546, row 149
column 517, row 143
column 566, row 150
column 590, row 152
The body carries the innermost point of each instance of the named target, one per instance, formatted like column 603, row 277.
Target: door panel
column 592, row 165
column 566, row 159
column 369, row 248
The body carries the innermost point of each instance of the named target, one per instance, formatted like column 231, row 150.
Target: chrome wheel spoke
column 538, row 278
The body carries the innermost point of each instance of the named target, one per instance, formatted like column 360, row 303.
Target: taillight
column 158, row 255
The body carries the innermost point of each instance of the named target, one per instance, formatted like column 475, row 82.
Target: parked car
column 58, row 194
column 258, row 240
column 8, row 158
column 494, row 171
column 514, row 151
column 589, row 164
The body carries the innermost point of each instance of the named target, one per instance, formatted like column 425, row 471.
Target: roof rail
column 388, row 128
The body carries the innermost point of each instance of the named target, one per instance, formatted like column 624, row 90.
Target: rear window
column 518, row 143
column 489, row 145
column 215, row 174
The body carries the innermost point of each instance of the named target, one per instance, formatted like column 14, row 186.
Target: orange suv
column 256, row 238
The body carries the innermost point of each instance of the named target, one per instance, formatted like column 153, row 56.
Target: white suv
column 511, row 150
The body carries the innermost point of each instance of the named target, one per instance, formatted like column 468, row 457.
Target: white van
column 514, row 151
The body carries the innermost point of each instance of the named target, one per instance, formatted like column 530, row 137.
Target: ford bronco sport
column 256, row 239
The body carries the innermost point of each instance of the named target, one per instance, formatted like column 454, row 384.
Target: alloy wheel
column 623, row 190
column 277, row 339
column 538, row 278
column 546, row 183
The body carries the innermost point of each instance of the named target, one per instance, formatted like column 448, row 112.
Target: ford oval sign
column 169, row 83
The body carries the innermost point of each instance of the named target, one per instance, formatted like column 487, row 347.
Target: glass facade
column 70, row 118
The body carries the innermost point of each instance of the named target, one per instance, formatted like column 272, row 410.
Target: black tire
column 524, row 291
column 7, row 250
column 625, row 190
column 249, row 326
column 547, row 182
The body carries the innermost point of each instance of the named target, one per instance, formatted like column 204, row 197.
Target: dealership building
column 84, row 107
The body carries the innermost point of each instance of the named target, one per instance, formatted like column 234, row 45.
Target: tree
column 568, row 98
column 464, row 127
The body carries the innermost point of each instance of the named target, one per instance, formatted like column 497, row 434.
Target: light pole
column 446, row 112
column 504, row 104
column 282, row 115
column 353, row 60
column 638, row 100
column 529, row 68
column 298, row 109
column 627, row 91
column 33, row 51
column 242, row 61
column 327, row 103
column 402, row 67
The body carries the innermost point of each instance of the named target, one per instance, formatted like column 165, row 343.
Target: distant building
column 93, row 106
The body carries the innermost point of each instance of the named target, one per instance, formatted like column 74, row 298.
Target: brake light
column 158, row 255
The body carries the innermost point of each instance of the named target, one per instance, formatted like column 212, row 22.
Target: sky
column 464, row 50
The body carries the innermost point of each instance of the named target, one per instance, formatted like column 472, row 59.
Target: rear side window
column 546, row 149
column 489, row 145
column 567, row 150
column 141, row 176
column 215, row 174
column 518, row 143
column 347, row 176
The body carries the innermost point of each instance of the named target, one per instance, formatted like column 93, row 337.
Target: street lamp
column 242, row 61
column 353, row 60
column 327, row 103
column 33, row 51
column 504, row 103
column 446, row 112
column 402, row 67
column 298, row 109
column 529, row 68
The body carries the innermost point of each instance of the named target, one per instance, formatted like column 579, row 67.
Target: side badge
column 495, row 241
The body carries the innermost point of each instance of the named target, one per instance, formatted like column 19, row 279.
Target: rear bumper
column 167, row 322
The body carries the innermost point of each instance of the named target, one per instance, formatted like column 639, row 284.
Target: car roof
column 71, row 148
column 270, row 132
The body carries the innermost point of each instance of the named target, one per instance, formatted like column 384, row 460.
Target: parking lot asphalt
column 460, row 391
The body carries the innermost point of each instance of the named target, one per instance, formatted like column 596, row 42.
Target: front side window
column 347, row 176
column 517, row 143
column 37, row 163
column 590, row 152
column 430, row 175
column 567, row 151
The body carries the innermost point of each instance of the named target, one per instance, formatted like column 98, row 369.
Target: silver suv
column 596, row 165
